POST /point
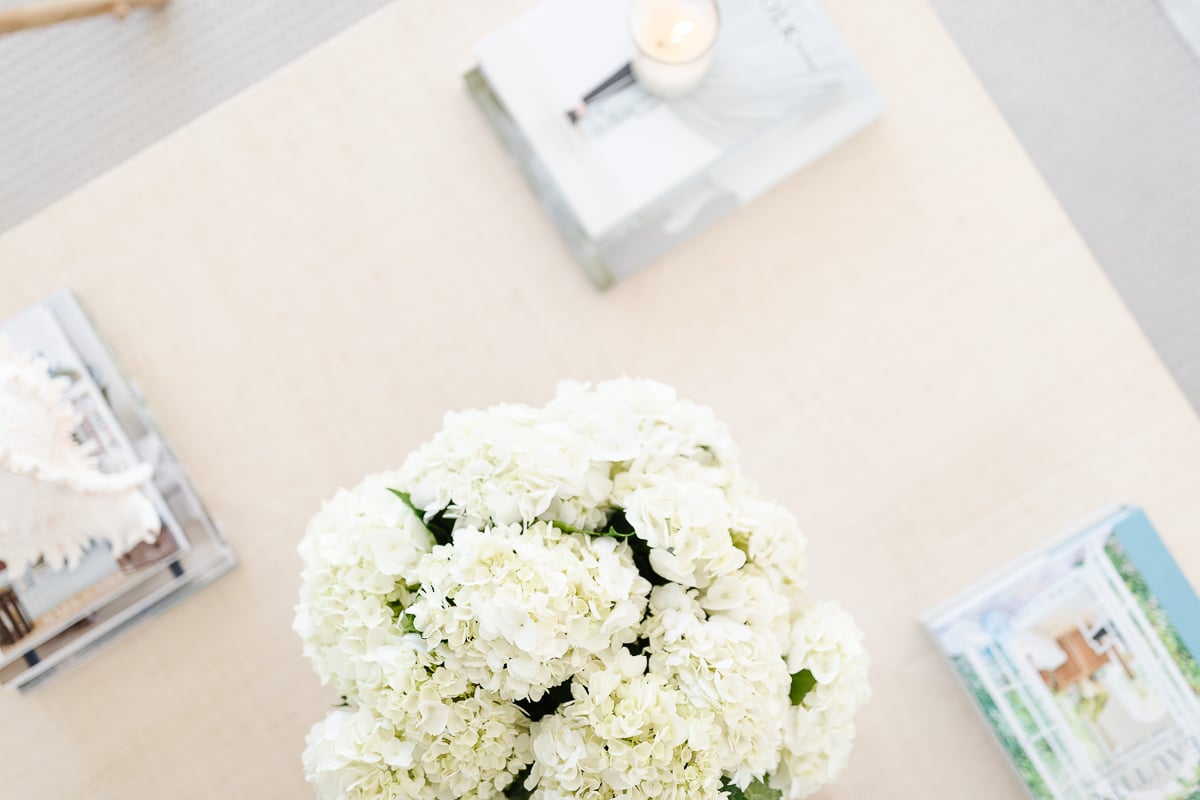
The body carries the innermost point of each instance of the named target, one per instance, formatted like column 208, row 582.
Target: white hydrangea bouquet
column 584, row 600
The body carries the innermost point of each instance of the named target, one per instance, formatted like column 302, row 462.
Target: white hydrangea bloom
column 484, row 625
column 640, row 424
column 360, row 553
column 818, row 734
column 361, row 755
column 459, row 736
column 348, row 755
column 418, row 725
column 506, row 465
column 520, row 610
column 687, row 526
column 772, row 540
column 726, row 665
column 750, row 596
column 625, row 736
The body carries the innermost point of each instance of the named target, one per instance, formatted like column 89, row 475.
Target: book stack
column 52, row 616
column 633, row 175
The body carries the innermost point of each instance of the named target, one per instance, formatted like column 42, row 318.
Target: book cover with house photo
column 1083, row 661
column 626, row 175
column 54, row 614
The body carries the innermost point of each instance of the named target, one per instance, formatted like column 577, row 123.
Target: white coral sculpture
column 54, row 501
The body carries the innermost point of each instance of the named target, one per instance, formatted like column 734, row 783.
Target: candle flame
column 680, row 30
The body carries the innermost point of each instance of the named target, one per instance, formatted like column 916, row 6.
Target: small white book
column 638, row 174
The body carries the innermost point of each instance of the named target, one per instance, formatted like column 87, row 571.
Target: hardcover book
column 52, row 616
column 1082, row 660
column 636, row 174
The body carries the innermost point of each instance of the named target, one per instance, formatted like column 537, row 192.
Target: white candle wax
column 674, row 41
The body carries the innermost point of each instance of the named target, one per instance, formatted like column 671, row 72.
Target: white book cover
column 638, row 173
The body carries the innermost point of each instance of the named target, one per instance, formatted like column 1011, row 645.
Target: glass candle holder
column 674, row 41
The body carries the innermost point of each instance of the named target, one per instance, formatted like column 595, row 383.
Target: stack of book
column 627, row 175
column 52, row 616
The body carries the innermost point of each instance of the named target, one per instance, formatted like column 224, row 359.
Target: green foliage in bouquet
column 803, row 682
column 755, row 791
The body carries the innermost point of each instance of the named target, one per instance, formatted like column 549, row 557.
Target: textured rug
column 78, row 98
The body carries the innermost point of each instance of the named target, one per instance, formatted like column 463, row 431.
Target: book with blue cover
column 1083, row 660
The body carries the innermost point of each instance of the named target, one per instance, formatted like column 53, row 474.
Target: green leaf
column 802, row 683
column 760, row 791
column 440, row 527
column 549, row 702
column 407, row 500
column 516, row 790
column 731, row 791
column 639, row 646
column 755, row 791
column 617, row 521
column 402, row 616
column 619, row 525
column 562, row 526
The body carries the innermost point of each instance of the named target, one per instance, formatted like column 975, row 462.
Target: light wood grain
column 914, row 348
column 42, row 14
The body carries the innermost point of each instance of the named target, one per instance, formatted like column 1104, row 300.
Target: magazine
column 51, row 616
column 1082, row 659
column 638, row 174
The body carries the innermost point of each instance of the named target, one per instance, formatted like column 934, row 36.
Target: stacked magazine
column 51, row 616
column 1083, row 660
column 636, row 174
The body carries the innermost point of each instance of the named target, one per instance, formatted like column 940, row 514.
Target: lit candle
column 674, row 40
